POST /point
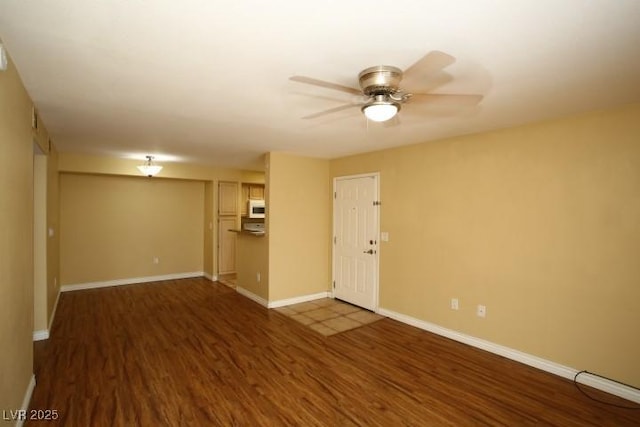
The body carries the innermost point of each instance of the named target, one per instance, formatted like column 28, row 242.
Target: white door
column 356, row 229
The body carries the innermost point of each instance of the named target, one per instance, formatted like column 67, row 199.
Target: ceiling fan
column 380, row 96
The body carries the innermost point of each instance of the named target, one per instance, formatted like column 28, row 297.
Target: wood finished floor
column 195, row 353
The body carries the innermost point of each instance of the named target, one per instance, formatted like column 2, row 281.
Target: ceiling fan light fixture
column 381, row 109
column 380, row 112
column 149, row 168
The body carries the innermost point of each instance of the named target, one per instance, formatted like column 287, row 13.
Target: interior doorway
column 40, row 315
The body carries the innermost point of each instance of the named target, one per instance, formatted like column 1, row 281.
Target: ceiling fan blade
column 325, row 98
column 445, row 99
column 330, row 110
column 430, row 63
column 426, row 83
column 360, row 99
column 328, row 85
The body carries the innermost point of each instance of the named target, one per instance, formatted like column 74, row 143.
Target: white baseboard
column 43, row 334
column 130, row 281
column 611, row 387
column 40, row 335
column 27, row 399
column 280, row 303
column 242, row 291
column 55, row 308
column 297, row 300
column 211, row 277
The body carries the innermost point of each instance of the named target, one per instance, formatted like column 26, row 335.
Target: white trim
column 43, row 334
column 297, row 300
column 40, row 335
column 130, row 281
column 211, row 277
column 27, row 399
column 242, row 291
column 55, row 308
column 356, row 176
column 611, row 387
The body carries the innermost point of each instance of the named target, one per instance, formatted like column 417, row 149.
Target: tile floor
column 329, row 316
column 228, row 280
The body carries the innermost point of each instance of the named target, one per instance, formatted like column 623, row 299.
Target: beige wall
column 112, row 227
column 540, row 223
column 252, row 257
column 298, row 225
column 16, row 257
column 88, row 164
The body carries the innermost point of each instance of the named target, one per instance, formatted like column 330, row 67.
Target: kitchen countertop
column 246, row 232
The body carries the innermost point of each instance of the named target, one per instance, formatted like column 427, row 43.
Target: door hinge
column 377, row 203
column 335, row 195
column 334, row 240
column 334, row 284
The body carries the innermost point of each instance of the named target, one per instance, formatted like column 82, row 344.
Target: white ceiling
column 207, row 80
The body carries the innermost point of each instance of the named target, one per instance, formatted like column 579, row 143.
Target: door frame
column 39, row 242
column 376, row 291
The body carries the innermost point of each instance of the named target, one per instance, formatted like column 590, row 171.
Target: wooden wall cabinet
column 227, row 245
column 227, row 218
column 228, row 198
column 250, row 192
column 243, row 200
column 256, row 192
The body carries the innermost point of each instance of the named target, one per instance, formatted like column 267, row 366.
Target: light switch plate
column 384, row 236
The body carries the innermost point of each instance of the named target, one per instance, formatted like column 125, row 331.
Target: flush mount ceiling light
column 149, row 168
column 381, row 108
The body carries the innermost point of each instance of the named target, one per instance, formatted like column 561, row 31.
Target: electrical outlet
column 482, row 311
column 454, row 304
column 258, row 277
column 384, row 236
column 156, row 260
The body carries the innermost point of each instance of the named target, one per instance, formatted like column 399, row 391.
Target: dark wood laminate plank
column 192, row 352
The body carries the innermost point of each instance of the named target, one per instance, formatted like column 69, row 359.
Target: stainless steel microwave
column 256, row 209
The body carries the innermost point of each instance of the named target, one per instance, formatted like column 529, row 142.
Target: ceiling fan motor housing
column 380, row 80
